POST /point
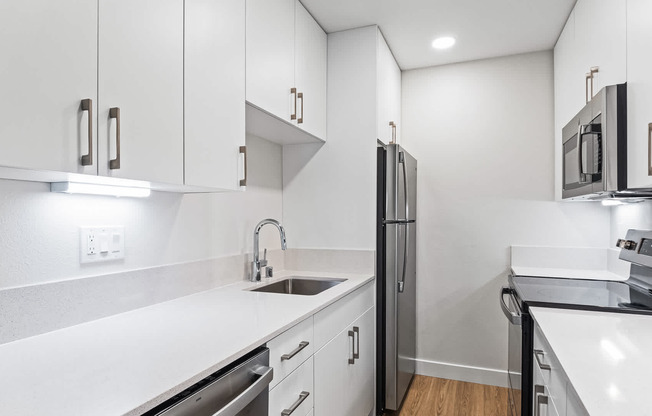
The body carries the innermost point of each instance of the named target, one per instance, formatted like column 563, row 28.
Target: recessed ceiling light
column 443, row 42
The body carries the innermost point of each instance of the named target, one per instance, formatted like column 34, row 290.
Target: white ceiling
column 483, row 28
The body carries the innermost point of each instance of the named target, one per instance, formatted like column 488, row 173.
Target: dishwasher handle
column 243, row 399
column 513, row 317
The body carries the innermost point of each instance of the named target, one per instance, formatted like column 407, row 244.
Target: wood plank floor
column 429, row 396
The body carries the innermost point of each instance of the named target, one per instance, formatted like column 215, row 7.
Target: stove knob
column 626, row 244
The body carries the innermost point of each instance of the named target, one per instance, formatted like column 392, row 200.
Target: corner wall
column 482, row 133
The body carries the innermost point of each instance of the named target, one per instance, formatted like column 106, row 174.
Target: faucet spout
column 257, row 264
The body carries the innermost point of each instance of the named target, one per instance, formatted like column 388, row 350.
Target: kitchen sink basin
column 300, row 286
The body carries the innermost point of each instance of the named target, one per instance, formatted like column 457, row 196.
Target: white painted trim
column 460, row 372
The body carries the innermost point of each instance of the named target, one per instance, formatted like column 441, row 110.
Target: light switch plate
column 98, row 244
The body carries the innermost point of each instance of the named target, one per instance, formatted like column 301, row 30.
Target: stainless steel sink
column 300, row 286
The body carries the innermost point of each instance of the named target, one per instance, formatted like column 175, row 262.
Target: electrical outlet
column 98, row 244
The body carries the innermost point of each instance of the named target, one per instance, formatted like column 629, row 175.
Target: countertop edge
column 150, row 404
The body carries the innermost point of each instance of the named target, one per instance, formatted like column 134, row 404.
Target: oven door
column 513, row 314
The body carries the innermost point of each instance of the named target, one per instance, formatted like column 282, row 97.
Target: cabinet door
column 389, row 93
column 48, row 66
column 270, row 55
column 603, row 23
column 639, row 93
column 569, row 91
column 141, row 73
column 342, row 388
column 214, row 92
column 310, row 58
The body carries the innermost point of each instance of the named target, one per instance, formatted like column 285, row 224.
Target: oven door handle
column 513, row 317
column 264, row 376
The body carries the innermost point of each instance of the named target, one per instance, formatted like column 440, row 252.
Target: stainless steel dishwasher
column 240, row 389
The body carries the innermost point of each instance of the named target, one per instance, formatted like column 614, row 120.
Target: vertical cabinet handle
column 300, row 119
column 87, row 105
column 393, row 126
column 649, row 149
column 356, row 355
column 293, row 116
column 302, row 396
column 243, row 150
column 586, row 87
column 115, row 113
column 589, row 80
column 352, row 335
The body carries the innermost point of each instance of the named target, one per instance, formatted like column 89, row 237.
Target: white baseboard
column 459, row 372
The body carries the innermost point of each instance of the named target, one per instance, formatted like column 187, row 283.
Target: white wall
column 40, row 230
column 329, row 190
column 624, row 217
column 483, row 135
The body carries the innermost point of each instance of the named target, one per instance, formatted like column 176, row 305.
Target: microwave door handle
column 579, row 154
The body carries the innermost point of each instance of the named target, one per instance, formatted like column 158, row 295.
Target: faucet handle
column 263, row 262
column 265, row 254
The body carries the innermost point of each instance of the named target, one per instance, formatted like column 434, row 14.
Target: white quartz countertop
column 606, row 357
column 568, row 263
column 128, row 363
column 563, row 273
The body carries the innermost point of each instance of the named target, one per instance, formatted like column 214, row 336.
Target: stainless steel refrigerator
column 396, row 274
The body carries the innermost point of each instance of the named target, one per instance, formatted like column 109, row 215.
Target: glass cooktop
column 592, row 294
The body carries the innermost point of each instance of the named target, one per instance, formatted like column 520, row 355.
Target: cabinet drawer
column 332, row 320
column 291, row 392
column 290, row 349
column 553, row 377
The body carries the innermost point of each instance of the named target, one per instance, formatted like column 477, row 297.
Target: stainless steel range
column 631, row 296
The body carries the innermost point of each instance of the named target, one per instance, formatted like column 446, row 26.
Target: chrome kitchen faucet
column 257, row 264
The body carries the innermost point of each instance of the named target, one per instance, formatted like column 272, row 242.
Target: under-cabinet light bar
column 94, row 189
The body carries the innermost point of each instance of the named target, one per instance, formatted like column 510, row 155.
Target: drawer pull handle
column 302, row 345
column 542, row 366
column 302, row 396
column 87, row 105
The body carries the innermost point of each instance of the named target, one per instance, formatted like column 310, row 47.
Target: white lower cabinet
column 338, row 379
column 344, row 371
column 553, row 394
column 294, row 395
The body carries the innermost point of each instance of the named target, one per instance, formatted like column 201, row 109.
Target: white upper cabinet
column 639, row 93
column 270, row 55
column 311, row 50
column 141, row 74
column 389, row 94
column 286, row 64
column 214, row 92
column 48, row 51
column 594, row 38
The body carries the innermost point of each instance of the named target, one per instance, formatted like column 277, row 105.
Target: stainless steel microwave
column 595, row 147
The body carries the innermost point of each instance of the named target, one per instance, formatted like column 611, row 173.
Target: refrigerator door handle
column 401, row 161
